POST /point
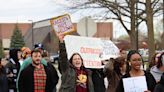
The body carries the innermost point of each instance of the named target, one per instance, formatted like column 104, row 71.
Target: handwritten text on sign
column 135, row 84
column 89, row 48
column 110, row 50
column 62, row 24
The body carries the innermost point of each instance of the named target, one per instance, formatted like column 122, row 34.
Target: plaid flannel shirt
column 39, row 79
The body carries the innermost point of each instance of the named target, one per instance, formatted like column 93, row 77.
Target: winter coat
column 68, row 73
column 3, row 80
column 26, row 79
column 98, row 80
column 156, row 73
column 27, row 62
column 149, row 79
column 54, row 75
column 12, row 67
column 160, row 86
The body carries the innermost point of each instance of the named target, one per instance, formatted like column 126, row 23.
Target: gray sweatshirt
column 156, row 73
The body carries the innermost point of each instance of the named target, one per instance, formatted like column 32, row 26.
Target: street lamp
column 32, row 32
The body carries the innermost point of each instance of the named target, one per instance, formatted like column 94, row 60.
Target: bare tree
column 162, row 41
column 150, row 27
column 126, row 11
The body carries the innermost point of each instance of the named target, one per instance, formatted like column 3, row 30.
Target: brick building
column 6, row 31
column 42, row 33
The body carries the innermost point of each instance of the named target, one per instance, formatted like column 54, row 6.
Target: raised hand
column 60, row 36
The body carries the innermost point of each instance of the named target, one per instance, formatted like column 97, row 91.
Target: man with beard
column 36, row 77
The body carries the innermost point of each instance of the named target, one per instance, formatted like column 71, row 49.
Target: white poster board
column 110, row 50
column 89, row 48
column 135, row 84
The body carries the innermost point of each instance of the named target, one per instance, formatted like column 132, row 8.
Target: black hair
column 13, row 53
column 131, row 52
column 36, row 50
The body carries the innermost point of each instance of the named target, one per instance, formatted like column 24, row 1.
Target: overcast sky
column 24, row 10
column 19, row 11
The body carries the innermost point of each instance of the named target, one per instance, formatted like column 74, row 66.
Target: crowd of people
column 31, row 71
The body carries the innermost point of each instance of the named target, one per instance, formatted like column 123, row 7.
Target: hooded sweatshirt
column 156, row 73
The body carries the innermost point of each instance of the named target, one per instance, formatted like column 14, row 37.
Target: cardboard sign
column 89, row 48
column 135, row 84
column 110, row 50
column 62, row 24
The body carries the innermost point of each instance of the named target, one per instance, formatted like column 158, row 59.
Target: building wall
column 6, row 31
column 41, row 32
column 86, row 27
column 104, row 30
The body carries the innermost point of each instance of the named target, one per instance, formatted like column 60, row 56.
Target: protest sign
column 135, row 84
column 62, row 24
column 89, row 48
column 110, row 50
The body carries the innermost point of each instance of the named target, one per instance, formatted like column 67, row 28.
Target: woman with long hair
column 114, row 70
column 154, row 60
column 75, row 77
column 135, row 61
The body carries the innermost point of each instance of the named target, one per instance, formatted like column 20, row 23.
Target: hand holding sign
column 62, row 24
column 60, row 35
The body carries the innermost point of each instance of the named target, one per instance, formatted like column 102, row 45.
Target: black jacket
column 12, row 67
column 149, row 79
column 26, row 80
column 3, row 80
column 54, row 75
column 160, row 86
column 98, row 80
